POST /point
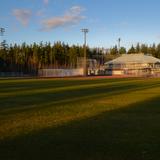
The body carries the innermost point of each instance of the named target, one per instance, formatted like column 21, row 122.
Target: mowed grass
column 80, row 119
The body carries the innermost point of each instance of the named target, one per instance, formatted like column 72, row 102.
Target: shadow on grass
column 131, row 133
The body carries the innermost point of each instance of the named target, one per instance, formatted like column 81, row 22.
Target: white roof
column 134, row 58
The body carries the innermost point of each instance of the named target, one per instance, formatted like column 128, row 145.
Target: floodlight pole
column 85, row 31
column 2, row 30
column 119, row 44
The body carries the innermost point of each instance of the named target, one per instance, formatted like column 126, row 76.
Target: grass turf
column 80, row 119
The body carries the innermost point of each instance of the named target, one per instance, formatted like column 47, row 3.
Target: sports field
column 80, row 119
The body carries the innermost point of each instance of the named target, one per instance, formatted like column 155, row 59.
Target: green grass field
column 80, row 119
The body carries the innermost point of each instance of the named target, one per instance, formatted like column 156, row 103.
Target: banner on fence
column 60, row 72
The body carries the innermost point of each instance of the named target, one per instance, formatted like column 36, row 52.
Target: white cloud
column 22, row 15
column 72, row 16
column 76, row 9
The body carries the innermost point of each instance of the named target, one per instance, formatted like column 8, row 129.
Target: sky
column 62, row 20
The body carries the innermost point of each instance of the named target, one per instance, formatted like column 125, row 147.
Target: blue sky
column 61, row 20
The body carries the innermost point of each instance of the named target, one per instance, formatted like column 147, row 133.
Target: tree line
column 29, row 58
column 153, row 49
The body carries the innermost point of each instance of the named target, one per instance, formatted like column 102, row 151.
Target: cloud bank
column 72, row 16
column 22, row 15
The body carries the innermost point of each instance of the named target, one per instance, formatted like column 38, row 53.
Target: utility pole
column 85, row 31
column 2, row 30
column 119, row 44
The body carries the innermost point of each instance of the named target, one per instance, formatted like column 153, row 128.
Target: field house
column 134, row 64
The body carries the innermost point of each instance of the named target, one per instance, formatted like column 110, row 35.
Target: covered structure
column 134, row 64
column 92, row 67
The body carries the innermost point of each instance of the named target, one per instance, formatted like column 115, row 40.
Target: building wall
column 114, row 72
column 132, row 72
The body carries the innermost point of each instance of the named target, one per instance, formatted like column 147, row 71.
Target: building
column 134, row 64
column 92, row 67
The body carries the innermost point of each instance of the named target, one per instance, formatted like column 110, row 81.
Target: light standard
column 119, row 45
column 2, row 30
column 85, row 31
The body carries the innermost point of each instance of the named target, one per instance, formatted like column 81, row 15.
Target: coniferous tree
column 132, row 50
column 122, row 50
column 138, row 48
column 144, row 48
column 114, row 50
